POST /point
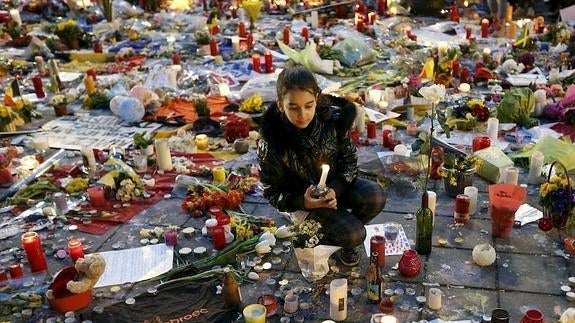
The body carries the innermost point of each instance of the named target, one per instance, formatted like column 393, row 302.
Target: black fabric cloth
column 291, row 158
column 193, row 302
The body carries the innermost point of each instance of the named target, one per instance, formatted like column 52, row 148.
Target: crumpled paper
column 527, row 214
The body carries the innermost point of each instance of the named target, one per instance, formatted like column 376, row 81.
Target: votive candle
column 171, row 237
column 511, row 175
column 34, row 252
column 269, row 62
column 218, row 237
column 16, row 271
column 535, row 167
column 96, row 195
column 314, row 19
column 472, row 192
column 219, row 174
column 493, row 129
column 38, row 86
column 338, row 299
column 286, row 33
column 434, row 299
column 242, row 29
column 235, row 44
column 164, row 157
column 213, row 47
column 484, row 28
column 75, row 249
column 305, row 34
column 202, row 142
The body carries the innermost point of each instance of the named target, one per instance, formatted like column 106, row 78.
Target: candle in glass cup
column 34, row 252
column 468, row 31
column 511, row 175
column 171, row 237
column 472, row 192
column 377, row 243
column 164, row 157
column 38, row 86
column 16, row 271
column 305, row 34
column 97, row 195
column 202, row 142
column 286, row 33
column 461, row 212
column 434, row 299
column 484, row 28
column 480, row 142
column 219, row 174
column 269, row 62
column 493, row 128
column 371, row 129
column 255, row 313
column 213, row 47
column 535, row 167
column 218, row 237
column 90, row 84
column 291, row 303
column 92, row 72
column 75, row 249
column 338, row 299
column 235, row 44
column 242, row 30
column 256, row 63
column 250, row 41
column 360, row 25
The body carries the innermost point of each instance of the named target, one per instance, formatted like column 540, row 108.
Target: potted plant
column 458, row 172
column 203, row 41
column 144, row 143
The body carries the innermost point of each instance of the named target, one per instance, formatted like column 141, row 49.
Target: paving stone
column 472, row 233
column 518, row 303
column 462, row 304
column 529, row 239
column 163, row 213
column 531, row 273
column 456, row 267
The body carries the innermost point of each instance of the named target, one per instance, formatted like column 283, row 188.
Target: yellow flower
column 269, row 229
column 253, row 104
column 4, row 111
column 473, row 102
column 546, row 188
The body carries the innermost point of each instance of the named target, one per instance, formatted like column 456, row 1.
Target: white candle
column 434, row 299
column 541, row 100
column 432, row 202
column 338, row 299
column 88, row 156
column 15, row 14
column 164, row 157
column 472, row 192
column 388, row 319
column 464, row 87
column 493, row 129
column 323, row 178
column 511, row 175
column 314, row 19
column 236, row 44
column 535, row 167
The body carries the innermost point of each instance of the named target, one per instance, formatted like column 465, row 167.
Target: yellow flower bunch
column 77, row 184
column 66, row 25
column 475, row 102
column 8, row 115
column 253, row 104
column 546, row 188
column 243, row 231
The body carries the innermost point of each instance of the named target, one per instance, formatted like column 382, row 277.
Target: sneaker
column 349, row 257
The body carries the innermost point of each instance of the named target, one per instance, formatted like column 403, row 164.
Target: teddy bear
column 89, row 268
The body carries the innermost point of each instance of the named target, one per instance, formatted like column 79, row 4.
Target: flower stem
column 428, row 170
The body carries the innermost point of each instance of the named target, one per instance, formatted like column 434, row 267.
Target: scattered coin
column 131, row 301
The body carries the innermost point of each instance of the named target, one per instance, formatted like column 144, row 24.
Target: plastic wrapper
column 309, row 58
column 355, row 52
column 164, row 77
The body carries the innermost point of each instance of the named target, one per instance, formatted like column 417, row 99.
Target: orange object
column 185, row 108
column 569, row 244
column 63, row 300
column 90, row 84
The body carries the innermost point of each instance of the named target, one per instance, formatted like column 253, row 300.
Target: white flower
column 283, row 232
column 433, row 93
column 263, row 247
column 269, row 237
column 511, row 67
column 145, row 234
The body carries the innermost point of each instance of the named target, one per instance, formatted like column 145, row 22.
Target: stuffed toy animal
column 568, row 316
column 89, row 270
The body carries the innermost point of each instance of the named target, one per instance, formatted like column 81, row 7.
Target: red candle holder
column 409, row 263
column 387, row 138
column 16, row 271
column 213, row 47
column 377, row 243
column 286, row 36
column 218, row 237
column 215, row 212
column 75, row 249
column 34, row 252
column 480, row 142
column 38, row 86
column 250, row 41
column 171, row 237
column 97, row 195
column 461, row 213
column 242, row 30
column 468, row 31
column 455, row 68
column 305, row 34
column 3, row 276
column 371, row 129
column 360, row 25
column 455, row 13
column 98, row 47
column 176, row 59
column 256, row 63
column 484, row 28
column 269, row 62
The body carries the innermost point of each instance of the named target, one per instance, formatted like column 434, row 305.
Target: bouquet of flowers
column 58, row 99
column 253, row 104
column 307, row 234
column 558, row 201
column 465, row 116
column 9, row 117
column 69, row 33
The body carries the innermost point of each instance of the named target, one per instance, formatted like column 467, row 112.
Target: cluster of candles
column 218, row 227
column 32, row 245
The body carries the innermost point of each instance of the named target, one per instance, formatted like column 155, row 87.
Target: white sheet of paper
column 568, row 14
column 378, row 116
column 396, row 248
column 137, row 264
column 527, row 214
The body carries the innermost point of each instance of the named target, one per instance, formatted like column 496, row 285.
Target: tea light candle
column 236, row 44
column 535, row 167
column 493, row 129
column 338, row 299
column 434, row 299
column 202, row 142
column 571, row 281
column 323, row 178
column 388, row 319
column 34, row 252
column 164, row 157
column 472, row 192
column 255, row 313
column 219, row 174
column 314, row 19
column 511, row 175
column 75, row 249
column 15, row 14
column 400, row 150
column 484, row 28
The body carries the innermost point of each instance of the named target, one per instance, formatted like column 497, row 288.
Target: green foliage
column 202, row 108
column 202, row 37
column 516, row 107
column 141, row 140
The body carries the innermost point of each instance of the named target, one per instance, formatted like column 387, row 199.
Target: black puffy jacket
column 291, row 158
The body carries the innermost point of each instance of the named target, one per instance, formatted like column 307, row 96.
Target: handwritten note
column 134, row 265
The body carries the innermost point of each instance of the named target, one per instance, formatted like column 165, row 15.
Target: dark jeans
column 358, row 204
